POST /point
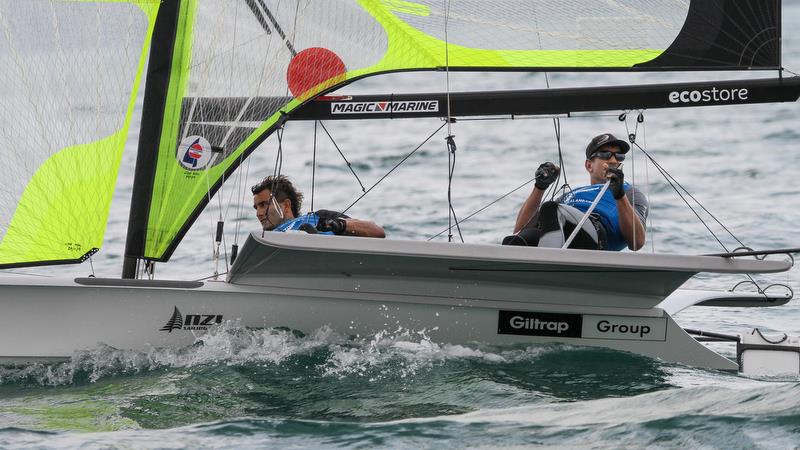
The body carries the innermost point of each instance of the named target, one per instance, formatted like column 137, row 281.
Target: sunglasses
column 606, row 155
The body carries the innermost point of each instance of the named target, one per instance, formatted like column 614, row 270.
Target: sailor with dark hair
column 277, row 204
column 617, row 220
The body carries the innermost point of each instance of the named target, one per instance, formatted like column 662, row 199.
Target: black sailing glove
column 337, row 226
column 308, row 228
column 617, row 179
column 546, row 174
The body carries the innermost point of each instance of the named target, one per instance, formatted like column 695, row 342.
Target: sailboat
column 220, row 77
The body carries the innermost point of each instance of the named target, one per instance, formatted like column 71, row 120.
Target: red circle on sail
column 311, row 67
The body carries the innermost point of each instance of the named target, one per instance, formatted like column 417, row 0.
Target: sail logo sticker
column 385, row 107
column 539, row 324
column 191, row 321
column 712, row 95
column 194, row 153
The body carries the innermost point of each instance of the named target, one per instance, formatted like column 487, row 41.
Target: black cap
column 606, row 139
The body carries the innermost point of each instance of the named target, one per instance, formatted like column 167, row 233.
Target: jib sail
column 69, row 71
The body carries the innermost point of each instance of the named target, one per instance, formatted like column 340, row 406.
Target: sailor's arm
column 546, row 174
column 630, row 225
column 363, row 228
column 528, row 209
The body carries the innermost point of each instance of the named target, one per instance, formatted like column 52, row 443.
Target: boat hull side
column 54, row 320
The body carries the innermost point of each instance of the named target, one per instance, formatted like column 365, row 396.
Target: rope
column 451, row 151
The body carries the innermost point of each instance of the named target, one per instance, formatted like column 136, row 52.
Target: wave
column 755, row 416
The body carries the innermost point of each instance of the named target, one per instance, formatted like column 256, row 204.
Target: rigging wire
column 674, row 182
column 553, row 190
column 393, row 168
column 240, row 213
column 211, row 276
column 484, row 207
column 314, row 165
column 450, row 143
column 652, row 227
column 632, row 138
column 276, row 169
column 349, row 166
column 563, row 171
column 451, row 156
column 555, row 187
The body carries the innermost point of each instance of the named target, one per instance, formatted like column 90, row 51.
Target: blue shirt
column 606, row 211
column 311, row 218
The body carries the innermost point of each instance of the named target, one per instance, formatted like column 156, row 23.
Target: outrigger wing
column 437, row 270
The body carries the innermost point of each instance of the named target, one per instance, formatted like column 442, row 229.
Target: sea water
column 269, row 388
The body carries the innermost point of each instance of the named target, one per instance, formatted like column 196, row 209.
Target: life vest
column 295, row 224
column 606, row 210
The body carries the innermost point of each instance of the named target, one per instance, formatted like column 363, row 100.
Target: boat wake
column 389, row 354
column 232, row 344
column 294, row 386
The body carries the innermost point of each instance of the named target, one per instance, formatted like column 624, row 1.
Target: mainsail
column 224, row 74
column 238, row 69
column 68, row 78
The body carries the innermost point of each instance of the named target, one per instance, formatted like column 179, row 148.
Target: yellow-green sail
column 70, row 73
column 247, row 71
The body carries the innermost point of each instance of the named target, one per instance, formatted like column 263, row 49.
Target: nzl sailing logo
column 384, row 107
column 194, row 153
column 191, row 322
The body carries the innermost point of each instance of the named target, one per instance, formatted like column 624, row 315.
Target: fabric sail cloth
column 222, row 75
column 69, row 78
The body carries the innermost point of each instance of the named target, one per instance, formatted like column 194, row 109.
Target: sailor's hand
column 617, row 184
column 337, row 226
column 308, row 228
column 546, row 174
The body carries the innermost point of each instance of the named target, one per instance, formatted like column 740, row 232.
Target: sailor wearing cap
column 617, row 220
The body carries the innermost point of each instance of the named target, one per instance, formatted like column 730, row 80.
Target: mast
column 158, row 72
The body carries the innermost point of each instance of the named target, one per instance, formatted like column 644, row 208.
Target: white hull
column 59, row 318
column 299, row 283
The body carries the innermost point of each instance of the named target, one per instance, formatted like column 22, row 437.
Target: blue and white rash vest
column 311, row 218
column 606, row 210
